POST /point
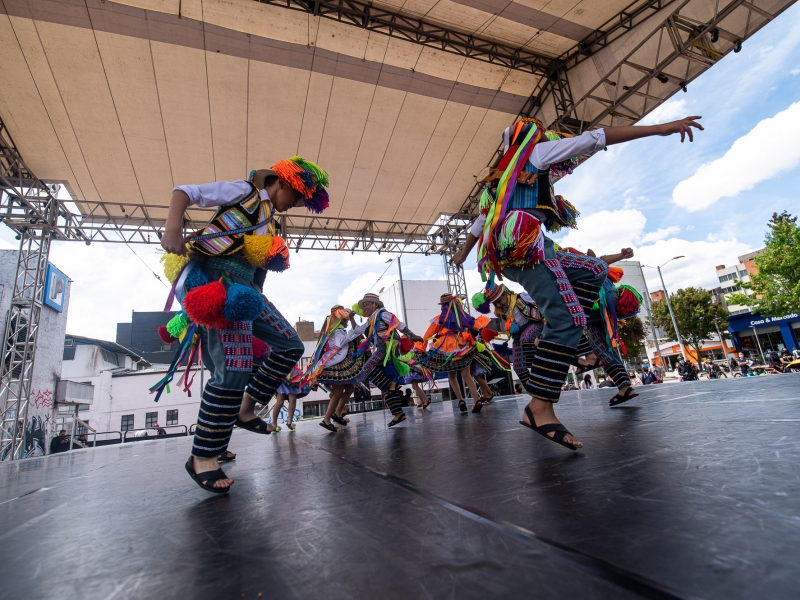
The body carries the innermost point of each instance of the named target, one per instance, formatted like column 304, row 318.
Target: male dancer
column 514, row 209
column 221, row 296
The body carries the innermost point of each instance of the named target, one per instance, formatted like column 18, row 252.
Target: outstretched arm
column 172, row 240
column 619, row 135
column 623, row 254
column 460, row 256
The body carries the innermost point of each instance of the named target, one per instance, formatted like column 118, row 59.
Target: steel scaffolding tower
column 30, row 208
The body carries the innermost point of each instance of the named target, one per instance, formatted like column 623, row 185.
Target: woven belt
column 232, row 264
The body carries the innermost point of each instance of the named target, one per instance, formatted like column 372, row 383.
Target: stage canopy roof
column 402, row 101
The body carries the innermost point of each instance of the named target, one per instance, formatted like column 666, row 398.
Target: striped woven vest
column 245, row 214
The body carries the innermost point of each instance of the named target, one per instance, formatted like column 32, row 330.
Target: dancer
column 522, row 320
column 600, row 343
column 453, row 348
column 518, row 203
column 216, row 268
column 336, row 363
column 291, row 389
column 381, row 329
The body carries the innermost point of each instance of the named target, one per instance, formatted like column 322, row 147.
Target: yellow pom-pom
column 480, row 347
column 256, row 248
column 173, row 264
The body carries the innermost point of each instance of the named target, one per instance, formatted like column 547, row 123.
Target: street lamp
column 669, row 304
column 402, row 289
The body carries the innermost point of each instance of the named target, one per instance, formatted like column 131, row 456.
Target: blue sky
column 709, row 200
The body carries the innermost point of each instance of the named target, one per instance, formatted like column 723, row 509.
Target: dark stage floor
column 689, row 491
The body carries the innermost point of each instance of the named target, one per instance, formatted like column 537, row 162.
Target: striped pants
column 561, row 335
column 223, row 394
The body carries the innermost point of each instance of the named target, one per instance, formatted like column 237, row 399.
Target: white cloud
column 606, row 231
column 671, row 110
column 659, row 234
column 768, row 149
column 795, row 71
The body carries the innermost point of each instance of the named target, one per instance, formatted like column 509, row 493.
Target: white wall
column 422, row 301
column 47, row 365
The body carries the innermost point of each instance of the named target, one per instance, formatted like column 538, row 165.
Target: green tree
column 632, row 333
column 777, row 283
column 695, row 312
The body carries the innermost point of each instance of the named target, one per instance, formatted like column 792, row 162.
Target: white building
column 730, row 280
column 39, row 426
column 421, row 301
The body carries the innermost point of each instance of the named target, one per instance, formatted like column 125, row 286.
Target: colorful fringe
column 307, row 178
column 628, row 303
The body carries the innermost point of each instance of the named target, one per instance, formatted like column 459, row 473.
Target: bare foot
column 544, row 414
column 203, row 465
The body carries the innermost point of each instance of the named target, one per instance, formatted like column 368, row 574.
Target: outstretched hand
column 626, row 253
column 684, row 127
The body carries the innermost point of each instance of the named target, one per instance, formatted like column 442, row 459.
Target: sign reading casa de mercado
column 767, row 320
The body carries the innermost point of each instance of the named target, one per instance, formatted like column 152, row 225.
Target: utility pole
column 652, row 326
column 402, row 291
column 672, row 314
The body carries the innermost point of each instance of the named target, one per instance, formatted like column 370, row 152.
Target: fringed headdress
column 482, row 300
column 453, row 316
column 307, row 178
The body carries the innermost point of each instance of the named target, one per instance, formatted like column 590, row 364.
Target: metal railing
column 147, row 436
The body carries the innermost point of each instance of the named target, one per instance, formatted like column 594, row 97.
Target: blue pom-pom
column 514, row 328
column 196, row 278
column 242, row 303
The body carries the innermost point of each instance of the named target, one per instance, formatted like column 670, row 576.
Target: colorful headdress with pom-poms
column 307, row 178
column 482, row 300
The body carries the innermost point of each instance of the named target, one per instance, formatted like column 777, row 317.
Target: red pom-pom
column 406, row 345
column 259, row 348
column 487, row 335
column 164, row 335
column 204, row 304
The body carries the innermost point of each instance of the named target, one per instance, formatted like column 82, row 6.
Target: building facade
column 40, row 422
column 754, row 334
column 421, row 301
column 141, row 336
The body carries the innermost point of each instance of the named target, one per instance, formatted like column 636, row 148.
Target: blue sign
column 748, row 321
column 55, row 288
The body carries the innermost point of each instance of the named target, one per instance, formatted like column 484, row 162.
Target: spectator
column 744, row 364
column 774, row 362
column 634, row 377
column 605, row 382
column 60, row 443
column 159, row 430
column 586, row 384
column 658, row 373
column 647, row 376
column 407, row 399
column 686, row 370
column 518, row 388
column 786, row 358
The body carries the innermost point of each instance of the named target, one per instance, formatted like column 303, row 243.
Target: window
column 150, row 419
column 81, row 429
column 127, row 423
column 166, row 347
column 69, row 353
column 109, row 357
column 742, row 273
column 172, row 417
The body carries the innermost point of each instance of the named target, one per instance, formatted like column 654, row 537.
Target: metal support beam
column 418, row 31
column 21, row 189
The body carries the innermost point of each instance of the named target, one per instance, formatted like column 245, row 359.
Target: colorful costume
column 336, row 360
column 218, row 284
column 452, row 339
column 387, row 362
column 517, row 204
column 523, row 321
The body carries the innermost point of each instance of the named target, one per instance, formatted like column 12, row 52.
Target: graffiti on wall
column 41, row 398
column 35, row 436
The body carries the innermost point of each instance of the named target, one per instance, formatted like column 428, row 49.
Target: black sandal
column 476, row 408
column 560, row 431
column 209, row 476
column 328, row 426
column 227, row 456
column 619, row 399
column 256, row 425
column 397, row 421
column 462, row 406
column 581, row 369
column 489, row 399
column 340, row 420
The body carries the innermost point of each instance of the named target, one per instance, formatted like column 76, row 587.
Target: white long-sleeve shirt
column 218, row 193
column 519, row 318
column 545, row 154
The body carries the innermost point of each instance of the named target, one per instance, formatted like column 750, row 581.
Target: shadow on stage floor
column 689, row 491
